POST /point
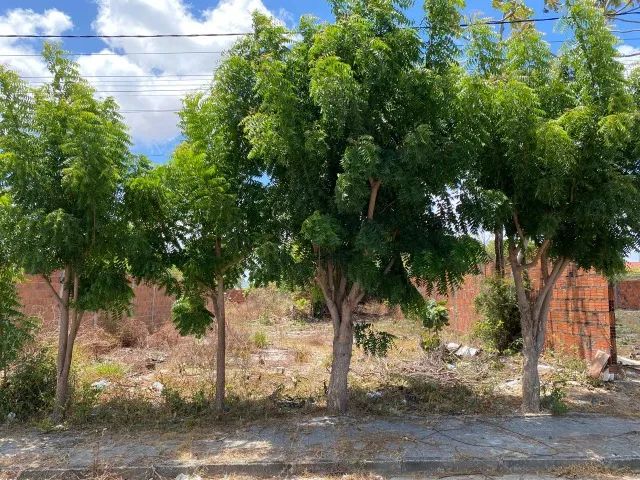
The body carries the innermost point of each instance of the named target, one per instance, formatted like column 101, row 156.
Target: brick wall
column 628, row 295
column 579, row 320
column 150, row 304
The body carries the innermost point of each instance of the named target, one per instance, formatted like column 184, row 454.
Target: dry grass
column 288, row 374
column 593, row 471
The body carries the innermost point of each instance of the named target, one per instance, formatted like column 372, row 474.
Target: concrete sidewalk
column 389, row 446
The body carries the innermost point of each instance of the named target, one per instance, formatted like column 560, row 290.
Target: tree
column 204, row 209
column 356, row 127
column 63, row 165
column 557, row 161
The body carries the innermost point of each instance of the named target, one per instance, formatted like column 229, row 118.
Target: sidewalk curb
column 273, row 469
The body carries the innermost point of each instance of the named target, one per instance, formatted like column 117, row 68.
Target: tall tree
column 205, row 207
column 557, row 161
column 63, row 164
column 356, row 128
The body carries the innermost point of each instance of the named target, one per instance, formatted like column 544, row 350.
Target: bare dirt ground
column 278, row 364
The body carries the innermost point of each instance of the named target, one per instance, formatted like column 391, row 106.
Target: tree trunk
column 221, row 350
column 534, row 310
column 337, row 393
column 530, row 375
column 221, row 347
column 68, row 330
column 499, row 251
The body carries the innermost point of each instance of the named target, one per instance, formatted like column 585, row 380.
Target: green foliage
column 30, row 388
column 430, row 340
column 553, row 398
column 64, row 163
column 190, row 315
column 499, row 326
column 16, row 329
column 260, row 339
column 436, row 314
column 376, row 344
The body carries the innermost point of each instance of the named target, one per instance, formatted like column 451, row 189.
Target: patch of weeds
column 301, row 355
column 265, row 319
column 84, row 401
column 430, row 340
column 179, row 405
column 29, row 390
column 260, row 339
column 553, row 398
column 111, row 371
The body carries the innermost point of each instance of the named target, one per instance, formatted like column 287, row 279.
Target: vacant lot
column 278, row 364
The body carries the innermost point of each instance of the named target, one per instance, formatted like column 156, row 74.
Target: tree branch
column 53, row 290
column 523, row 239
column 375, row 187
column 541, row 251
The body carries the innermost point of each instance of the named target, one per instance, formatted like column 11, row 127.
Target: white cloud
column 630, row 57
column 27, row 22
column 148, row 80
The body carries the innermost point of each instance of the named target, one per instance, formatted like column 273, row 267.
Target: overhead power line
column 242, row 34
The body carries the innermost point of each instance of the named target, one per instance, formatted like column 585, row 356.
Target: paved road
column 389, row 446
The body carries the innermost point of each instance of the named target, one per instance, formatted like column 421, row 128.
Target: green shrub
column 430, row 340
column 499, row 327
column 29, row 390
column 16, row 329
column 436, row 314
column 553, row 398
column 260, row 339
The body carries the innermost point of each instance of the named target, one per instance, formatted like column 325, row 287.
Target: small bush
column 260, row 339
column 499, row 327
column 16, row 329
column 29, row 390
column 133, row 333
column 430, row 340
column 553, row 398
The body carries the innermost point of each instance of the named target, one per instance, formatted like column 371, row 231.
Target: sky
column 148, row 77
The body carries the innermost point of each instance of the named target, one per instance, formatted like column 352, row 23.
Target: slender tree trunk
column 337, row 393
column 221, row 350
column 70, row 319
column 530, row 375
column 499, row 251
column 534, row 310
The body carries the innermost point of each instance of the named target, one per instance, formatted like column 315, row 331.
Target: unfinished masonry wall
column 150, row 305
column 628, row 295
column 579, row 319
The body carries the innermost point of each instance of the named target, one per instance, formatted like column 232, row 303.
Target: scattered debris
column 627, row 362
column 543, row 368
column 598, row 364
column 100, row 385
column 158, row 387
column 11, row 416
column 451, row 366
column 374, row 395
column 511, row 384
column 184, row 476
column 607, row 376
column 452, row 347
column 467, row 351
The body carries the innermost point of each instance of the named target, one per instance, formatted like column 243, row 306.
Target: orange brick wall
column 579, row 320
column 628, row 295
column 150, row 304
